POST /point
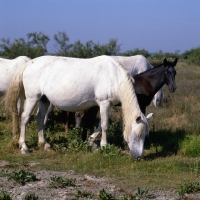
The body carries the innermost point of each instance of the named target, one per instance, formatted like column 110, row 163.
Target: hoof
column 91, row 141
column 23, row 151
column 47, row 147
column 103, row 144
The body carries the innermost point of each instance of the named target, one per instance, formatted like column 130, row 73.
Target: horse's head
column 140, row 129
column 170, row 74
column 158, row 97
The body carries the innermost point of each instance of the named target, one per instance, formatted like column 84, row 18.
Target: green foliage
column 103, row 195
column 140, row 195
column 188, row 187
column 75, row 141
column 84, row 193
column 72, row 142
column 2, row 117
column 59, row 143
column 79, row 50
column 192, row 56
column 38, row 40
column 90, row 49
column 78, row 145
column 110, row 151
column 60, row 182
column 61, row 43
column 190, row 146
column 31, row 197
column 34, row 47
column 167, row 140
column 5, row 196
column 160, row 55
column 22, row 176
column 136, row 51
column 115, row 134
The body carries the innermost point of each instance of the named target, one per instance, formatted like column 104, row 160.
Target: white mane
column 128, row 98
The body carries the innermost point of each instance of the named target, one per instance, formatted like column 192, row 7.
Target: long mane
column 128, row 98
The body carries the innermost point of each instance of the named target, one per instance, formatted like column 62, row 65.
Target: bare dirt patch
column 91, row 184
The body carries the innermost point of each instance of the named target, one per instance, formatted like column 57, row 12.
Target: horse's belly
column 74, row 105
column 71, row 99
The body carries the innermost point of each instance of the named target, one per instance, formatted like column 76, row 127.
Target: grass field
column 172, row 159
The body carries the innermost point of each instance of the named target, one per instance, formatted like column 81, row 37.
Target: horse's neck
column 130, row 106
column 149, row 82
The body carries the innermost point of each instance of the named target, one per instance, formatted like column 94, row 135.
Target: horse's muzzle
column 172, row 88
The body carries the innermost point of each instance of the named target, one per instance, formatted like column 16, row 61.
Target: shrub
column 190, row 146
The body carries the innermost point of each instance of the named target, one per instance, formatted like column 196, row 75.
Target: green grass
column 172, row 159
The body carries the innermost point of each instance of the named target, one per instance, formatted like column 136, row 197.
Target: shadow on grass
column 166, row 142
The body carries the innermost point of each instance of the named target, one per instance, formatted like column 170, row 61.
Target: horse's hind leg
column 28, row 108
column 95, row 134
column 15, row 122
column 42, row 110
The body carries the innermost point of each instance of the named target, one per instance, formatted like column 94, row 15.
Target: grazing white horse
column 74, row 84
column 8, row 68
column 134, row 65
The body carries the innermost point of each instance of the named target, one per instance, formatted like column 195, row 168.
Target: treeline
column 35, row 45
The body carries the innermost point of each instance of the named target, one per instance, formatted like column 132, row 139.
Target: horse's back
column 133, row 64
column 71, row 82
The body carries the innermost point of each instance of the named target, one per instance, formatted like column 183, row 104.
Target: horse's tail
column 15, row 91
column 15, row 94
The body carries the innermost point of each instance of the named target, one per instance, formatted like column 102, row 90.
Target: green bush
column 190, row 146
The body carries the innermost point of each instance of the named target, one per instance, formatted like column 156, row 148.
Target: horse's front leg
column 104, row 108
column 42, row 110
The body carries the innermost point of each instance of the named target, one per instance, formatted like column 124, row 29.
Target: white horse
column 77, row 84
column 8, row 67
column 134, row 65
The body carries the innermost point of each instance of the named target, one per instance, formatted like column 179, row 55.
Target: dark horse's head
column 170, row 74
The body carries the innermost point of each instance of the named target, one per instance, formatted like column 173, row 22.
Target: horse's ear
column 138, row 119
column 149, row 116
column 165, row 62
column 175, row 62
